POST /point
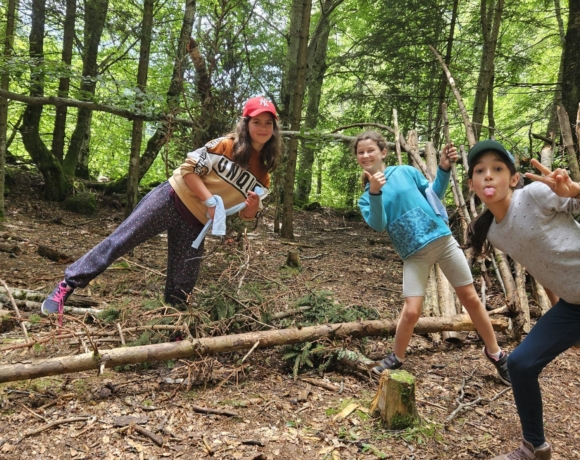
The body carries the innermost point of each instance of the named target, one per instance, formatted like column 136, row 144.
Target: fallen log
column 30, row 369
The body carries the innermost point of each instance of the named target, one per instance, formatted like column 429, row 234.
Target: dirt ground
column 152, row 410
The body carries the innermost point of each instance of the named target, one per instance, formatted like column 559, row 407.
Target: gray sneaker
column 500, row 365
column 54, row 303
column 527, row 452
column 390, row 362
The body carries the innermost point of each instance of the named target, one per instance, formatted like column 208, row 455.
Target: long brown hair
column 378, row 139
column 270, row 153
column 477, row 231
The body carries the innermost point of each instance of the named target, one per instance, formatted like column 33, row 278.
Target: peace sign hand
column 558, row 180
column 377, row 180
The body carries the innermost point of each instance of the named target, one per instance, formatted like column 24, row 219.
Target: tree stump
column 293, row 259
column 395, row 400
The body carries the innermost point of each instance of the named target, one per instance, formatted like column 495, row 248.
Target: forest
column 99, row 113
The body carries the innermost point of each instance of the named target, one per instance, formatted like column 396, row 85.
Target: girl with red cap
column 230, row 168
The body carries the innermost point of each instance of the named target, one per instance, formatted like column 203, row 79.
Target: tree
column 59, row 133
column 5, row 84
column 57, row 186
column 137, row 133
column 316, row 65
column 571, row 74
column 95, row 15
column 295, row 118
column 491, row 12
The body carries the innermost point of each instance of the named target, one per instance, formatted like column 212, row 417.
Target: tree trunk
column 287, row 230
column 511, row 293
column 316, row 65
column 395, row 400
column 137, row 132
column 228, row 343
column 163, row 133
column 491, row 12
column 447, row 60
column 95, row 15
column 445, row 297
column 59, row 134
column 56, row 186
column 522, row 296
column 552, row 128
column 571, row 75
column 569, row 148
column 5, row 84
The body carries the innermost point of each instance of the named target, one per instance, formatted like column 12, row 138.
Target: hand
column 252, row 205
column 448, row 155
column 558, row 180
column 377, row 180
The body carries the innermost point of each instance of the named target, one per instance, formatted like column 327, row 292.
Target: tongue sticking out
column 488, row 191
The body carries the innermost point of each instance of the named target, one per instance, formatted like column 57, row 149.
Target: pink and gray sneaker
column 54, row 303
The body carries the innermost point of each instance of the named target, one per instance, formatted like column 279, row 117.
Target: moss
column 400, row 421
column 81, row 203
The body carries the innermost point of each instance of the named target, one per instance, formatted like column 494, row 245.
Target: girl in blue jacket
column 395, row 201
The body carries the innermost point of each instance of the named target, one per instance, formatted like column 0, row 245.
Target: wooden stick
column 121, row 334
column 53, row 424
column 466, row 121
column 208, row 410
column 18, row 317
column 397, row 141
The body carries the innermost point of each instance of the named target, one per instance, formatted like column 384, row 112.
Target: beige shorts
column 448, row 254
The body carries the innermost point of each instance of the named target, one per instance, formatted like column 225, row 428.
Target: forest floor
column 339, row 256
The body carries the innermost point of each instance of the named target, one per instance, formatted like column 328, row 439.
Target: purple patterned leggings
column 154, row 214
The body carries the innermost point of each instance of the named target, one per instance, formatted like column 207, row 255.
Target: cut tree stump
column 395, row 400
column 293, row 259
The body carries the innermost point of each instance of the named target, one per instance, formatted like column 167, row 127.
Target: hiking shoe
column 527, row 452
column 501, row 366
column 390, row 362
column 54, row 303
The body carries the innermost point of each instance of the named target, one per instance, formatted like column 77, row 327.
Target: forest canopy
column 154, row 80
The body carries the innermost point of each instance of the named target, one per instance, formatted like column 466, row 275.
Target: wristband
column 211, row 202
column 376, row 194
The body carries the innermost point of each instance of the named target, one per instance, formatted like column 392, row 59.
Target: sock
column 495, row 356
column 542, row 446
column 399, row 359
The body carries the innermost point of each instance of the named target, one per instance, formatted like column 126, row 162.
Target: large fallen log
column 31, row 369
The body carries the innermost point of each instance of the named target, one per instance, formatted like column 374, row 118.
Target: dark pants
column 553, row 334
column 154, row 214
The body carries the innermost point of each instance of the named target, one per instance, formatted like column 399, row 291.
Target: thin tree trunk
column 491, row 12
column 571, row 75
column 137, row 132
column 95, row 15
column 569, row 143
column 5, row 84
column 522, row 296
column 511, row 293
column 56, row 186
column 228, row 343
column 315, row 77
column 287, row 230
column 59, row 133
column 447, row 60
column 163, row 133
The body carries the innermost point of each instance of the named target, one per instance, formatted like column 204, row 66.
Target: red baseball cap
column 257, row 105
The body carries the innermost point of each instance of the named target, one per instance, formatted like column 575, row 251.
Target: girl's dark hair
column 270, row 153
column 476, row 239
column 377, row 139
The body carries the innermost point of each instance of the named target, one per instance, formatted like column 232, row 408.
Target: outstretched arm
column 558, row 180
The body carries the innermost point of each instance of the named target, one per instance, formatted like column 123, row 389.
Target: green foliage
column 110, row 315
column 326, row 310
column 301, row 355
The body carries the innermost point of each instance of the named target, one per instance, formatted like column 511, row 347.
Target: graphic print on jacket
column 206, row 161
column 411, row 231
